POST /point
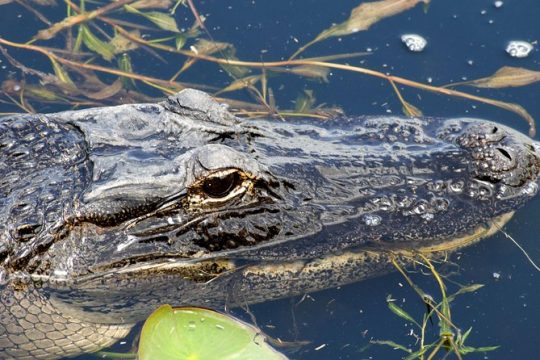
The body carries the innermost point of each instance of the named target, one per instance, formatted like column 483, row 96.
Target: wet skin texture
column 107, row 213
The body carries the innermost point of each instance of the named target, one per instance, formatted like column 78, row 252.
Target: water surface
column 466, row 40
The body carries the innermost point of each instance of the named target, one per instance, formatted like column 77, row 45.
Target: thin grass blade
column 95, row 44
column 392, row 344
column 400, row 312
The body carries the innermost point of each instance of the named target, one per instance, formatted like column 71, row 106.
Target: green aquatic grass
column 450, row 340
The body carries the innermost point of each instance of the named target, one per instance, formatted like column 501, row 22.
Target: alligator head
column 181, row 202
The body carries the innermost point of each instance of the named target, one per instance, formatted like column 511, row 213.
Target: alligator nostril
column 494, row 130
column 505, row 153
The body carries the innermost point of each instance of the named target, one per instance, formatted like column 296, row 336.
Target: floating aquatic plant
column 193, row 333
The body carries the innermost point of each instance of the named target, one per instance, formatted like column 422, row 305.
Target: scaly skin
column 107, row 213
column 32, row 326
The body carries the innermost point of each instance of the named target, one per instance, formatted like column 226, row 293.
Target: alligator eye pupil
column 220, row 186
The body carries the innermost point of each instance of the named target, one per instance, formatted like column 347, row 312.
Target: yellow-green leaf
column 311, row 71
column 486, row 348
column 392, row 344
column 207, row 47
column 180, row 41
column 465, row 289
column 305, row 101
column 122, row 44
column 506, row 76
column 203, row 47
column 410, row 110
column 152, row 4
column 464, row 337
column 124, row 63
column 241, row 84
column 107, row 91
column 469, row 288
column 236, row 72
column 95, row 44
column 42, row 93
column 400, row 312
column 197, row 333
column 367, row 14
column 60, row 73
column 362, row 17
column 162, row 20
column 45, row 2
column 418, row 354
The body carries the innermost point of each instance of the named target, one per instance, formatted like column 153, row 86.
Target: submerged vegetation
column 450, row 339
column 91, row 50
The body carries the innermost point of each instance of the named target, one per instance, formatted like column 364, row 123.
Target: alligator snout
column 500, row 154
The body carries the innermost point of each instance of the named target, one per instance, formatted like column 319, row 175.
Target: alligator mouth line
column 206, row 269
column 354, row 262
column 197, row 270
column 458, row 243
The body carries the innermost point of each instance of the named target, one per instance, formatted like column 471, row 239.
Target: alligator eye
column 219, row 186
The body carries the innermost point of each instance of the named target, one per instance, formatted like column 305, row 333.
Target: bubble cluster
column 414, row 42
column 519, row 49
column 372, row 220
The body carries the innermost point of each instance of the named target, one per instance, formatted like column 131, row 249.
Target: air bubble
column 414, row 42
column 372, row 220
column 519, row 49
column 427, row 216
column 531, row 189
column 420, row 209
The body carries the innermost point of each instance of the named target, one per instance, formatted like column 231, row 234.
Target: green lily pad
column 190, row 333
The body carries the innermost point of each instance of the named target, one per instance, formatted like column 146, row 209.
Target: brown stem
column 517, row 109
column 36, row 13
column 71, row 21
column 98, row 68
column 196, row 15
column 118, row 28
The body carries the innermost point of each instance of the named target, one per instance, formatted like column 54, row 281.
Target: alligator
column 109, row 212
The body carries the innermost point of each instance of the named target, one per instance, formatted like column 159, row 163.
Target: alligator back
column 43, row 167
